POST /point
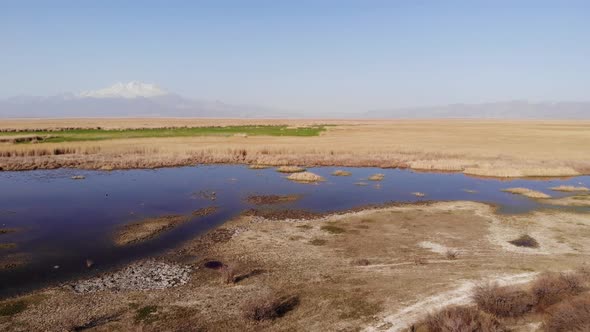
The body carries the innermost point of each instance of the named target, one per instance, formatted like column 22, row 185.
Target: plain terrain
column 476, row 147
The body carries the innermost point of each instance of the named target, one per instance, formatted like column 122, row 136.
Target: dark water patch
column 65, row 223
column 214, row 265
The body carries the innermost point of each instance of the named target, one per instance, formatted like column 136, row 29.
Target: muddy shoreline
column 100, row 164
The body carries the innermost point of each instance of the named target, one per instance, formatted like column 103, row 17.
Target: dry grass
column 290, row 169
column 570, row 188
column 306, row 177
column 340, row 172
column 521, row 148
column 376, row 177
column 269, row 307
column 258, row 166
column 526, row 192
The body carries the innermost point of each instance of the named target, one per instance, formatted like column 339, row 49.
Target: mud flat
column 147, row 229
column 271, row 199
column 291, row 272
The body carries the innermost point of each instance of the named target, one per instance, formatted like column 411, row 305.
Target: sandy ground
column 377, row 269
column 476, row 147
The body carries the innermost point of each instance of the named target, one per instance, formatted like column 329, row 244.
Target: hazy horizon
column 332, row 56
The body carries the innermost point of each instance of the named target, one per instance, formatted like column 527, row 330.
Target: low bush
column 504, row 301
column 461, row 319
column 571, row 315
column 551, row 288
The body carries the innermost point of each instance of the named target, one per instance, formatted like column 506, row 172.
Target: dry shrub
column 551, row 288
column 452, row 254
column 571, row 315
column 361, row 262
column 269, row 307
column 419, row 260
column 228, row 274
column 503, row 301
column 525, row 240
column 462, row 319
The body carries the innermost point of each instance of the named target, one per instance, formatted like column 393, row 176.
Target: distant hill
column 137, row 99
column 499, row 110
column 133, row 99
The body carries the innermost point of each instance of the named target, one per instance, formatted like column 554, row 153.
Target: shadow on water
column 61, row 223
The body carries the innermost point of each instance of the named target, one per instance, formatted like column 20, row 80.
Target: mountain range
column 137, row 99
column 133, row 99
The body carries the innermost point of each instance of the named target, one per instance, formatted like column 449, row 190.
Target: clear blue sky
column 306, row 55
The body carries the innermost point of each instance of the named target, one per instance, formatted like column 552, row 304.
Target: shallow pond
column 62, row 222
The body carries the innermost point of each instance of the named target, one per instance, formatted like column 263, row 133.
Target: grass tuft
column 318, row 242
column 333, row 229
column 146, row 314
column 12, row 308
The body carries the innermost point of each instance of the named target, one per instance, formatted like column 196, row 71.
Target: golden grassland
column 396, row 264
column 474, row 147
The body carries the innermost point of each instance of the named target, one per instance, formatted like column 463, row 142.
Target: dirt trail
column 459, row 296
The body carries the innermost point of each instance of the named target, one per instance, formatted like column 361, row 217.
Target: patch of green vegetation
column 333, row 229
column 318, row 242
column 146, row 314
column 12, row 308
column 75, row 135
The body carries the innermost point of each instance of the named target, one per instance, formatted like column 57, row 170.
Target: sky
column 311, row 56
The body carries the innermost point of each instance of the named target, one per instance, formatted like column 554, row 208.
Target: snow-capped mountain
column 133, row 89
column 133, row 99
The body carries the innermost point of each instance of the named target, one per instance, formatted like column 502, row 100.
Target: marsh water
column 61, row 222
